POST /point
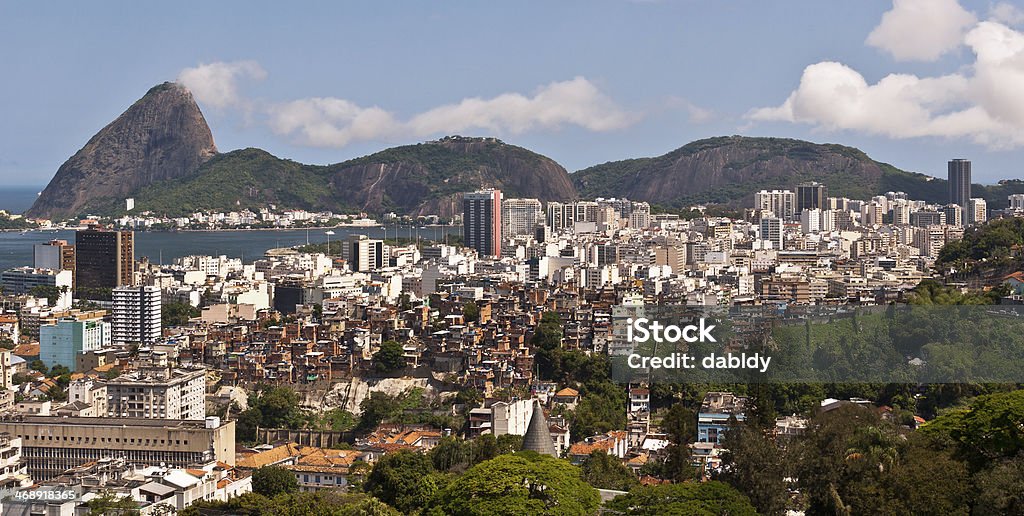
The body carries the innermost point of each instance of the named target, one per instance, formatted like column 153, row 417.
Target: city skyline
column 707, row 70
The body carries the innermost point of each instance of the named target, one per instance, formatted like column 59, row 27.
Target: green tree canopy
column 389, row 358
column 524, row 483
column 403, row 480
column 274, row 480
column 604, row 471
column 685, row 499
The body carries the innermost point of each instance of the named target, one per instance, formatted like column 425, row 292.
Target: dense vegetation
column 253, row 178
column 752, row 164
column 997, row 243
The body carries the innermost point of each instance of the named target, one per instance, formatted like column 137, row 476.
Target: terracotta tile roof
column 26, row 350
column 567, row 393
column 272, row 456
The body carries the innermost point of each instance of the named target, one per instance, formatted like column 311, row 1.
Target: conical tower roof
column 538, row 435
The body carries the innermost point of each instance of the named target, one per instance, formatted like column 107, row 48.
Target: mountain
column 162, row 136
column 729, row 169
column 425, row 178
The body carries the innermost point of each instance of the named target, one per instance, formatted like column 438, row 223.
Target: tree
column 604, row 471
column 1001, row 489
column 402, row 479
column 985, row 432
column 294, row 504
column 470, row 312
column 273, row 480
column 108, row 503
column 177, row 313
column 524, row 483
column 756, row 467
column 688, row 498
column 389, row 358
column 50, row 292
column 270, row 407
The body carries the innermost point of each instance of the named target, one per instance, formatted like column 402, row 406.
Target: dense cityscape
column 357, row 366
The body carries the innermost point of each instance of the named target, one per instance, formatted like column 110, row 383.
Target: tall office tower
column 136, row 315
column 977, row 211
column 782, row 203
column 771, row 231
column 1016, row 201
column 104, row 258
column 954, row 214
column 54, row 255
column 811, row 195
column 519, row 217
column 364, row 254
column 481, row 221
column 959, row 182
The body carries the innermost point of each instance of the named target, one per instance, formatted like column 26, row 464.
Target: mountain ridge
column 160, row 151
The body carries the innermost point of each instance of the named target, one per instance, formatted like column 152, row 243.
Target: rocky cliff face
column 730, row 169
column 160, row 137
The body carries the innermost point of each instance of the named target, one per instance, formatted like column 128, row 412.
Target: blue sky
column 583, row 82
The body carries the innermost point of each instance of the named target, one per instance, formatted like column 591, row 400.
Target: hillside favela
column 794, row 289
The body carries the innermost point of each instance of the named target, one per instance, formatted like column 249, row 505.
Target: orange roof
column 588, row 448
column 26, row 350
column 567, row 392
column 271, row 456
column 1019, row 276
column 8, row 319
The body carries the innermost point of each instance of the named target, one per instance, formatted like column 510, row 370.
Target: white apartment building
column 782, row 203
column 136, row 315
column 157, row 391
column 519, row 217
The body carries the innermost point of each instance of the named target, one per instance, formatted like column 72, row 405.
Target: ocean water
column 17, row 199
column 164, row 247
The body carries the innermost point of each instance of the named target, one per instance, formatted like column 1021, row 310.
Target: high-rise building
column 811, row 195
column 364, row 254
column 771, row 231
column 954, row 214
column 1016, row 201
column 519, row 217
column 782, row 203
column 104, row 258
column 55, row 255
column 61, row 343
column 481, row 221
column 925, row 218
column 977, row 211
column 136, row 315
column 810, row 221
column 959, row 176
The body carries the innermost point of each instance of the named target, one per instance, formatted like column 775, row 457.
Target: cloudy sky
column 911, row 82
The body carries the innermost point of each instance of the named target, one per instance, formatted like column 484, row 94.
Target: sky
column 911, row 82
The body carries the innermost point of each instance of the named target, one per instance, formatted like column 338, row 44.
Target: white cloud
column 921, row 29
column 334, row 122
column 216, row 84
column 983, row 103
column 337, row 122
column 1006, row 13
column 574, row 102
